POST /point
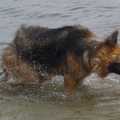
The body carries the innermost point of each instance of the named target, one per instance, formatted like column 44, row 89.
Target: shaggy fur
column 36, row 53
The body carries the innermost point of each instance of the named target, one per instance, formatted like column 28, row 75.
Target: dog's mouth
column 114, row 67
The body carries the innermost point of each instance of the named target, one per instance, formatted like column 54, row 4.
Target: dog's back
column 49, row 46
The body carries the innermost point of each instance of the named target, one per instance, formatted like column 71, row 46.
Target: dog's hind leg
column 17, row 69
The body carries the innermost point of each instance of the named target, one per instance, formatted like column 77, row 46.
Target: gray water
column 99, row 99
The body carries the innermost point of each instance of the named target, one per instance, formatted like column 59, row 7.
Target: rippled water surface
column 97, row 100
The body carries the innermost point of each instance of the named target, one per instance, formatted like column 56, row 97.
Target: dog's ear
column 112, row 39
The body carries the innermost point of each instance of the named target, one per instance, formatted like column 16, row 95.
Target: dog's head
column 107, row 57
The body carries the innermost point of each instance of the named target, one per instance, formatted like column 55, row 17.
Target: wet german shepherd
column 74, row 52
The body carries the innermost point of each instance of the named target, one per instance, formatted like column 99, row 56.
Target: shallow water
column 98, row 100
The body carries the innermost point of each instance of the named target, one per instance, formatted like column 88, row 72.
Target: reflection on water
column 97, row 99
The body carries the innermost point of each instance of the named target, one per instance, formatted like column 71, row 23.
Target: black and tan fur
column 74, row 52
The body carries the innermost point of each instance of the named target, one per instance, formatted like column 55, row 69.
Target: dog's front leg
column 70, row 82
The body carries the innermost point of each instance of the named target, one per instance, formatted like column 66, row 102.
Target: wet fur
column 36, row 53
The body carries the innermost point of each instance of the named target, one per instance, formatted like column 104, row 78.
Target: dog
column 37, row 53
